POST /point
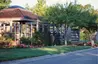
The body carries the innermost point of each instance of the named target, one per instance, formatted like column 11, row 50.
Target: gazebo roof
column 16, row 6
column 17, row 12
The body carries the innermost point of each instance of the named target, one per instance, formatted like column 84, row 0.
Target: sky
column 31, row 3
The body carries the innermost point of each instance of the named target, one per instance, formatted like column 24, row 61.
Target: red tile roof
column 16, row 12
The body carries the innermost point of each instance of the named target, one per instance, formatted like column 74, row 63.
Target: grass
column 19, row 53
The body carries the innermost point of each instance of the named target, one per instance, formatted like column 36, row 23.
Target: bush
column 5, row 43
column 25, row 40
column 69, row 43
column 21, row 46
column 37, row 39
column 8, row 35
column 96, row 43
column 80, row 44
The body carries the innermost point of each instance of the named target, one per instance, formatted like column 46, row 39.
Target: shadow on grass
column 20, row 53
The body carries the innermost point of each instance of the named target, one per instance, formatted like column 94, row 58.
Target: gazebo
column 14, row 19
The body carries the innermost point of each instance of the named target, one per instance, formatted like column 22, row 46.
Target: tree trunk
column 65, row 35
column 92, row 39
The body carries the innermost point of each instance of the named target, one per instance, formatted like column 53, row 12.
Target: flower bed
column 29, row 46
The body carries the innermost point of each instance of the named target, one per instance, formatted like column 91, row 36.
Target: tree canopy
column 71, row 15
column 4, row 3
column 39, row 8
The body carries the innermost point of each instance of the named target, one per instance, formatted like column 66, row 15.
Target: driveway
column 89, row 56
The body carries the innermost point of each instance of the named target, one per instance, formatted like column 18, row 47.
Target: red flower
column 22, row 45
column 31, row 46
column 89, row 43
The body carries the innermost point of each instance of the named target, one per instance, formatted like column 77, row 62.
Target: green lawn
column 12, row 54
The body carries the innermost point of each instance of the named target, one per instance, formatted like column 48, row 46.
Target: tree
column 4, row 3
column 83, row 17
column 40, row 7
column 57, row 14
column 72, row 16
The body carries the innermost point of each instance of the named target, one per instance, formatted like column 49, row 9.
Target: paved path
column 79, row 57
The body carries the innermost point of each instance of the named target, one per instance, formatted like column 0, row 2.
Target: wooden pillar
column 0, row 29
column 11, row 26
column 19, row 27
column 4, row 27
column 42, row 27
column 31, row 29
column 26, row 30
column 19, row 31
column 15, row 31
column 21, row 34
column 37, row 25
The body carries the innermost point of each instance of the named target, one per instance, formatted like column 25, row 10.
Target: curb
column 43, row 57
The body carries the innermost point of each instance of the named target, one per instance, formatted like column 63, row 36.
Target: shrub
column 25, row 40
column 69, row 43
column 22, row 46
column 5, row 43
column 8, row 35
column 37, row 39
column 88, row 44
column 96, row 43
